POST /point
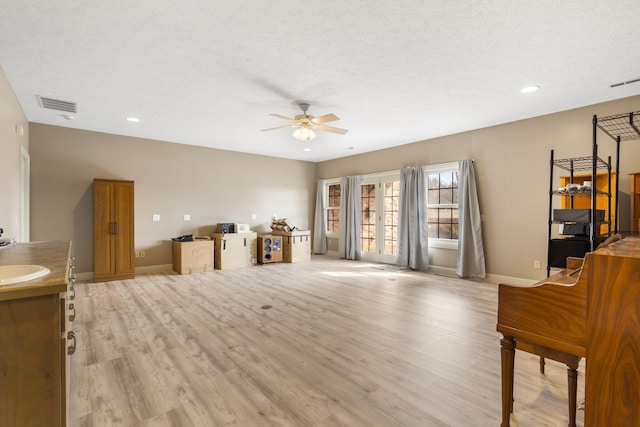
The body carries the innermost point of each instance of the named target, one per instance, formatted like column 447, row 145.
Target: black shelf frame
column 619, row 127
column 573, row 165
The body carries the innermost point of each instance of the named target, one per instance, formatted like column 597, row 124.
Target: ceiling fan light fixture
column 304, row 133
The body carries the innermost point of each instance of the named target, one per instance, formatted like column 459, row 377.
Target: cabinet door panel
column 104, row 262
column 30, row 370
column 124, row 229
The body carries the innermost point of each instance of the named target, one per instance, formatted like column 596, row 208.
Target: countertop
column 53, row 255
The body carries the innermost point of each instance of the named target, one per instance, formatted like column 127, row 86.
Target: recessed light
column 529, row 89
column 133, row 119
column 307, row 149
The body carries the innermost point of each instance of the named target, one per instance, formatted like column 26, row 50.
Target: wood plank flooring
column 344, row 344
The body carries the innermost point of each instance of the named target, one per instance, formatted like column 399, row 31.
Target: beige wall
column 12, row 119
column 170, row 180
column 512, row 165
column 219, row 186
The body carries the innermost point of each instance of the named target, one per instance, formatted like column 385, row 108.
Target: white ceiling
column 209, row 72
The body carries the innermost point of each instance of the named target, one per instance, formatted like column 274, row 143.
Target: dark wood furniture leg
column 541, row 365
column 572, row 380
column 507, row 352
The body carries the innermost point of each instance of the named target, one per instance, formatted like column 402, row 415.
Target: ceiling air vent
column 56, row 104
column 625, row 83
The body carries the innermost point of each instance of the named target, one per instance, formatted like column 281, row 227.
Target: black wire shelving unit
column 619, row 127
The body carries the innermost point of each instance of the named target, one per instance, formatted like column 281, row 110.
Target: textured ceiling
column 209, row 72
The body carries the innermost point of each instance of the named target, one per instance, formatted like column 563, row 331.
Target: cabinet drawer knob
column 72, row 312
column 72, row 348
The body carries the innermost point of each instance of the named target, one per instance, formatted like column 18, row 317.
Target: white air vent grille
column 625, row 83
column 56, row 104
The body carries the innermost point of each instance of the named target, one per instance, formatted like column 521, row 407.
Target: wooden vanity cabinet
column 34, row 349
column 113, row 235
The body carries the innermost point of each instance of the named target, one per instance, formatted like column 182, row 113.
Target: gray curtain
column 413, row 250
column 349, row 231
column 470, row 261
column 320, row 222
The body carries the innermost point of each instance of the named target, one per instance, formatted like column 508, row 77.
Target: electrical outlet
column 142, row 254
column 156, row 217
column 254, row 216
column 187, row 217
column 137, row 254
column 536, row 264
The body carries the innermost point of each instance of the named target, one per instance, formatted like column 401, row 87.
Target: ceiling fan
column 307, row 124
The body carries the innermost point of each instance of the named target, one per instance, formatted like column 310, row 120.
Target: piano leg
column 572, row 379
column 507, row 353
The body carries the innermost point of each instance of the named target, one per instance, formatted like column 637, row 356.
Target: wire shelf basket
column 621, row 125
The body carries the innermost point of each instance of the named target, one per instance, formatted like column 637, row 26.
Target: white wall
column 512, row 165
column 170, row 180
column 14, row 134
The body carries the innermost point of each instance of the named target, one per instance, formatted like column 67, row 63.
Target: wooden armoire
column 113, row 237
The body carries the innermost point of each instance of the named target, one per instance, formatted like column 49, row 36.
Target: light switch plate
column 187, row 217
column 156, row 217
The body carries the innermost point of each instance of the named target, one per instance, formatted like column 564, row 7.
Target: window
column 379, row 195
column 391, row 198
column 368, row 218
column 333, row 207
column 442, row 204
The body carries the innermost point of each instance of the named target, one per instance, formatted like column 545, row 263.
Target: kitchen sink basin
column 11, row 274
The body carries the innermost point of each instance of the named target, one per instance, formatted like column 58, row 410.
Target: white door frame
column 25, row 194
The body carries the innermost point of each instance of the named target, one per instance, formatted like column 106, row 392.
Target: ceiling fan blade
column 280, row 116
column 325, row 119
column 331, row 129
column 280, row 127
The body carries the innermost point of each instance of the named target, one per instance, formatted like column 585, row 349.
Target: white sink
column 10, row 274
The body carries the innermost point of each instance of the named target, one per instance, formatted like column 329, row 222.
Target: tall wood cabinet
column 113, row 237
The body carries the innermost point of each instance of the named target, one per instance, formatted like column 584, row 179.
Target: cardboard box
column 193, row 257
column 296, row 245
column 234, row 250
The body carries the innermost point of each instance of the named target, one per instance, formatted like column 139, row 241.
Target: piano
column 590, row 309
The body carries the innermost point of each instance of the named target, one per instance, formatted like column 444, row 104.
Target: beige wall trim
column 153, row 269
column 491, row 278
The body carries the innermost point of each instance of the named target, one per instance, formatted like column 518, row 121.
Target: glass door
column 379, row 218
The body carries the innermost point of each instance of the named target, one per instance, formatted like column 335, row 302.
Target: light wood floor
column 344, row 344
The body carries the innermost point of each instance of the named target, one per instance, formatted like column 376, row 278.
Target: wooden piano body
column 590, row 311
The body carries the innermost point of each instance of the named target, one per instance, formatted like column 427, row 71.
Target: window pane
column 333, row 220
column 433, row 180
column 446, row 196
column 368, row 218
column 446, row 180
column 334, row 195
column 433, row 230
column 433, row 197
column 390, row 225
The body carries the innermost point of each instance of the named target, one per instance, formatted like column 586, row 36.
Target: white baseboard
column 490, row 278
column 497, row 278
column 151, row 269
column 444, row 271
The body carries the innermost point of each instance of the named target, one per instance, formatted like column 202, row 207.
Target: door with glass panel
column 379, row 218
